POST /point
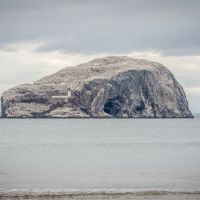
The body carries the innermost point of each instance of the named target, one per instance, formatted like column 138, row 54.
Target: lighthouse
column 69, row 93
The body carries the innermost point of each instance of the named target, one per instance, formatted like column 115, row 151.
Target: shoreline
column 99, row 194
column 112, row 118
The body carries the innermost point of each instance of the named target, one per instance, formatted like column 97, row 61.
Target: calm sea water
column 98, row 155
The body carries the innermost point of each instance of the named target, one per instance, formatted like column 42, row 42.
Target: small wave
column 52, row 194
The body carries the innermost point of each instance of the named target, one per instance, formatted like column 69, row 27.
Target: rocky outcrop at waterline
column 120, row 87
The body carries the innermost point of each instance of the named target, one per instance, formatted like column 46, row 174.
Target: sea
column 100, row 159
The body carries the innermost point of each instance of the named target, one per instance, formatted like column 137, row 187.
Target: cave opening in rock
column 140, row 107
column 114, row 105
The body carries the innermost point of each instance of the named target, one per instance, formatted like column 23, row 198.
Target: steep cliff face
column 105, row 87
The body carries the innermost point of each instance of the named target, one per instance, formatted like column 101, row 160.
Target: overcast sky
column 39, row 37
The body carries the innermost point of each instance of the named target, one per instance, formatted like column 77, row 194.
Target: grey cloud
column 89, row 26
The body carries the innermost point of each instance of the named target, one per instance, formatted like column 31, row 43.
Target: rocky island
column 110, row 87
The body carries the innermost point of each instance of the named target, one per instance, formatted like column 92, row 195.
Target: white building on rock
column 62, row 98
